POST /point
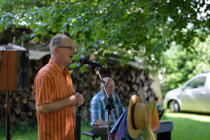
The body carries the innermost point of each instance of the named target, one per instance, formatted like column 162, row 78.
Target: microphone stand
column 78, row 121
column 109, row 105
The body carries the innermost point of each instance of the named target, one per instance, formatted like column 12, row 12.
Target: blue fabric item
column 98, row 108
column 119, row 130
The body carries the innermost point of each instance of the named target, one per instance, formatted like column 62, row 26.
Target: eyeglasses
column 68, row 47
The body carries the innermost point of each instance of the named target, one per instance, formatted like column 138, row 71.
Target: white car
column 193, row 96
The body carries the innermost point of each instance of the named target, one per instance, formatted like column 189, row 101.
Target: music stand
column 13, row 67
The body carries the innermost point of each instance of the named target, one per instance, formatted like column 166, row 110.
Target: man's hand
column 100, row 122
column 73, row 100
column 80, row 99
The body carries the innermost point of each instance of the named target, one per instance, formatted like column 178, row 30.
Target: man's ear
column 56, row 50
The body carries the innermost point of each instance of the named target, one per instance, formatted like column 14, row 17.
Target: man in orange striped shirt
column 54, row 93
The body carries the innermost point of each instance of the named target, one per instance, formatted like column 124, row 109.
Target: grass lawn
column 20, row 132
column 187, row 126
column 25, row 132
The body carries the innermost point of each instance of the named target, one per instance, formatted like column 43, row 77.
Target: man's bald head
column 57, row 41
column 109, row 85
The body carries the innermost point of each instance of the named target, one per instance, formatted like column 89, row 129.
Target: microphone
column 86, row 61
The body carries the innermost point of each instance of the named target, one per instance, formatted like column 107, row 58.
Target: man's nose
column 75, row 52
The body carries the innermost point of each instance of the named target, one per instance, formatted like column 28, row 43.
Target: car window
column 196, row 83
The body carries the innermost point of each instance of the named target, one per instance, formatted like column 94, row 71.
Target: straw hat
column 138, row 117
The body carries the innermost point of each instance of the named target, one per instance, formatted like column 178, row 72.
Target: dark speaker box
column 14, row 67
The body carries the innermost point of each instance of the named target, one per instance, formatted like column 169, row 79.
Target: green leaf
column 36, row 39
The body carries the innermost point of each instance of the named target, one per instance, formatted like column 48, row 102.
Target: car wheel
column 174, row 106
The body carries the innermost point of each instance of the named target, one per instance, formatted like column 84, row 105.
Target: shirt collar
column 58, row 68
column 65, row 71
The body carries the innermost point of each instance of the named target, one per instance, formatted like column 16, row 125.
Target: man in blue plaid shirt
column 99, row 113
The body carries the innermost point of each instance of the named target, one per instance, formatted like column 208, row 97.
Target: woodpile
column 128, row 81
column 21, row 103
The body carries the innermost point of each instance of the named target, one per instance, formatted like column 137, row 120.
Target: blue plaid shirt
column 98, row 108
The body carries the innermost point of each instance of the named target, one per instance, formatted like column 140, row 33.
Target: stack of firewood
column 128, row 81
column 21, row 105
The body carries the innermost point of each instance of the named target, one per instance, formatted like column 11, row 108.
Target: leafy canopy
column 129, row 28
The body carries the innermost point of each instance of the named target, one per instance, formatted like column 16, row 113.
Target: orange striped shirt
column 51, row 84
